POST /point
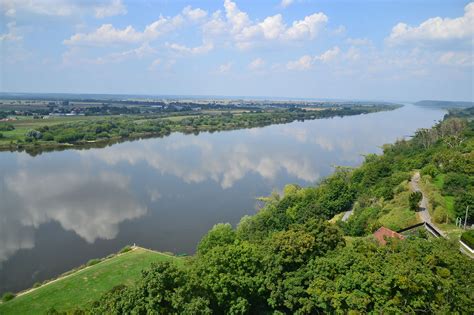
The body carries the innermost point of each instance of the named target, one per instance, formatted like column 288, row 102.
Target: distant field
column 24, row 124
column 85, row 286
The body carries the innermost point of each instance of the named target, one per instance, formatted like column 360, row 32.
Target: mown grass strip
column 83, row 287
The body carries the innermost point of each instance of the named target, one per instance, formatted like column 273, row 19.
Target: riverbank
column 37, row 135
column 80, row 288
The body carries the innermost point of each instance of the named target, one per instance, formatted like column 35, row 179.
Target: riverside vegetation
column 36, row 135
column 291, row 258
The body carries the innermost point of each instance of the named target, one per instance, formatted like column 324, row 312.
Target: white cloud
column 115, row 7
column 310, row 26
column 204, row 48
column 245, row 33
column 328, row 55
column 12, row 34
column 452, row 58
column 256, row 64
column 436, row 29
column 99, row 9
column 304, row 63
column 155, row 64
column 108, row 34
column 224, row 68
column 194, row 14
column 286, row 3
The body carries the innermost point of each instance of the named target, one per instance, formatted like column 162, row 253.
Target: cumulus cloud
column 436, row 29
column 306, row 62
column 99, row 9
column 286, row 3
column 194, row 14
column 245, row 33
column 11, row 34
column 453, row 58
column 328, row 55
column 303, row 63
column 256, row 64
column 108, row 34
column 204, row 48
column 224, row 68
column 115, row 7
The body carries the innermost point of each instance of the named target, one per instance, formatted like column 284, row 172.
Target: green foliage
column 6, row 127
column 81, row 288
column 430, row 169
column 461, row 203
column 93, row 262
column 468, row 238
column 125, row 249
column 363, row 221
column 88, row 130
column 8, row 296
column 403, row 277
column 221, row 234
column 414, row 200
column 456, row 183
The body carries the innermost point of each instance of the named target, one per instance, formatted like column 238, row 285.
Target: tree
column 220, row 234
column 414, row 200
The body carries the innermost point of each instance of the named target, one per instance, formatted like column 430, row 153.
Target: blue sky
column 379, row 50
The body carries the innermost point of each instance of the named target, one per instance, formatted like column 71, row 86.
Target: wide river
column 60, row 209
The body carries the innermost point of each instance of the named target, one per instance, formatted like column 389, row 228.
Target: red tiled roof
column 383, row 233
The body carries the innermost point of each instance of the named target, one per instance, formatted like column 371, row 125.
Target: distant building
column 382, row 234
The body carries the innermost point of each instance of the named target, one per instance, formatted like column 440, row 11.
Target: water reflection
column 225, row 165
column 91, row 205
column 59, row 209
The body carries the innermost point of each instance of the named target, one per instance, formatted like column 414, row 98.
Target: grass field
column 86, row 285
column 24, row 124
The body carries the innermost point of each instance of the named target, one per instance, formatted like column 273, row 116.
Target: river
column 60, row 209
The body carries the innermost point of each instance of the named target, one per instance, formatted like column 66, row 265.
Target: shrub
column 455, row 183
column 440, row 215
column 125, row 249
column 6, row 127
column 93, row 262
column 7, row 296
column 430, row 169
column 414, row 199
column 37, row 284
column 468, row 238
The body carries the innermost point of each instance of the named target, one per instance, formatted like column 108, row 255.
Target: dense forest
column 293, row 256
column 44, row 134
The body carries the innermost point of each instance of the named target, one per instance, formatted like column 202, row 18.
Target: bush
column 1, row 135
column 455, row 183
column 6, row 127
column 93, row 262
column 37, row 284
column 440, row 215
column 125, row 249
column 414, row 200
column 468, row 238
column 7, row 296
column 430, row 169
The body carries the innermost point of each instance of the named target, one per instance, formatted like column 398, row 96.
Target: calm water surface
column 60, row 209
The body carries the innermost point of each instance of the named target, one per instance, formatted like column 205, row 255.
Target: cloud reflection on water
column 91, row 205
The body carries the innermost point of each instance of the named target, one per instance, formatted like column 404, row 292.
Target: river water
column 60, row 209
